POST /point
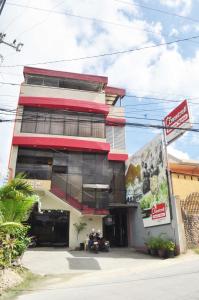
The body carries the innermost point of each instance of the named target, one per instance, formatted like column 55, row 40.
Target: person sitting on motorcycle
column 91, row 238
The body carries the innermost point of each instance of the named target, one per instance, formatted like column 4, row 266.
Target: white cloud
column 184, row 6
column 178, row 153
column 162, row 70
column 174, row 32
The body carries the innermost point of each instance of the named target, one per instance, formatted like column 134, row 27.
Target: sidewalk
column 54, row 261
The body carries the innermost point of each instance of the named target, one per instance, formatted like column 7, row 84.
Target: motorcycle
column 104, row 245
column 93, row 243
column 98, row 243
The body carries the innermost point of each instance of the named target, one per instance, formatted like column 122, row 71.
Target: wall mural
column 146, row 183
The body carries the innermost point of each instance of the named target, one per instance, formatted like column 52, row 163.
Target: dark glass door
column 116, row 231
column 51, row 228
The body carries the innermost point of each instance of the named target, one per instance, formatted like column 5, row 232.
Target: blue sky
column 168, row 72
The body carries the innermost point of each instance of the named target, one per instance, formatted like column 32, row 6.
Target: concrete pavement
column 172, row 279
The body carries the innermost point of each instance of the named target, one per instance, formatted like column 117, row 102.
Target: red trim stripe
column 109, row 90
column 59, row 103
column 67, row 75
column 60, row 143
column 117, row 156
column 115, row 121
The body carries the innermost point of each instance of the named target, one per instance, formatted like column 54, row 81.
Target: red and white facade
column 71, row 93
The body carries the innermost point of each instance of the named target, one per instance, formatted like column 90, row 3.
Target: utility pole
column 14, row 45
column 2, row 3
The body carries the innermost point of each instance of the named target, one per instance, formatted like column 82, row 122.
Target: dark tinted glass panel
column 43, row 122
column 29, row 121
column 85, row 125
column 49, row 121
column 89, row 197
column 35, row 171
column 57, row 124
column 51, row 82
column 98, row 126
column 71, row 125
column 35, row 80
column 71, row 170
column 60, row 169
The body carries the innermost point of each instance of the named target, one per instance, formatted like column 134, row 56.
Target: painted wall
column 139, row 234
column 183, row 185
column 13, row 160
column 50, row 201
column 45, row 91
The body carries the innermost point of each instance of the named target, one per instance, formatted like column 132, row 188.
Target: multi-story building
column 69, row 140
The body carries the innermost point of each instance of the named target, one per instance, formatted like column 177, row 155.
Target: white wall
column 45, row 91
column 50, row 201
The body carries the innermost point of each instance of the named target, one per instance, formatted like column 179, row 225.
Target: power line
column 79, row 17
column 157, row 10
column 105, row 54
column 131, row 124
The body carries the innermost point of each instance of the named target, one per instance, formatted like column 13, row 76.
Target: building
column 185, row 176
column 69, row 139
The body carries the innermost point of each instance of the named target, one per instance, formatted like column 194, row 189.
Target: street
column 178, row 279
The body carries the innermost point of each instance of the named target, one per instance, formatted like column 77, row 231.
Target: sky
column 159, row 77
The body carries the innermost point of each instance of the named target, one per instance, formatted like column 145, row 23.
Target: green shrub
column 13, row 242
column 169, row 245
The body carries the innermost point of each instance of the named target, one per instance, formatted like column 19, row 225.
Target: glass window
column 89, row 197
column 32, row 171
column 98, row 126
column 35, row 80
column 57, row 124
column 84, row 125
column 43, row 122
column 29, row 120
column 54, row 82
column 71, row 125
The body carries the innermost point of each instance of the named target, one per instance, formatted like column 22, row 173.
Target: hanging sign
column 177, row 118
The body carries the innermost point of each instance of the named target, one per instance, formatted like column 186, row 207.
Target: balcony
column 65, row 93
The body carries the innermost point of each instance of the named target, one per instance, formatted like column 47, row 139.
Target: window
column 96, row 198
column 62, row 122
column 43, row 122
column 71, row 124
column 84, row 125
column 98, row 126
column 54, row 82
column 70, row 171
column 29, row 120
column 57, row 124
column 34, row 80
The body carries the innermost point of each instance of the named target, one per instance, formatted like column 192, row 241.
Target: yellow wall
column 183, row 185
column 50, row 201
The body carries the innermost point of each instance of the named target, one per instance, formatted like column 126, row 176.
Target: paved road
column 170, row 281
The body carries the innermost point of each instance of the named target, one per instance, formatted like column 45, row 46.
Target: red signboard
column 159, row 211
column 177, row 118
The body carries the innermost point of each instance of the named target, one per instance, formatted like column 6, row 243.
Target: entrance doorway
column 50, row 228
column 115, row 227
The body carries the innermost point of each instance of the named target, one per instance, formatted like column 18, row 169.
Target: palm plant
column 16, row 201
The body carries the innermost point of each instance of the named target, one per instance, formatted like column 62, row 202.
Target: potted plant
column 162, row 248
column 153, row 245
column 79, row 227
column 170, row 248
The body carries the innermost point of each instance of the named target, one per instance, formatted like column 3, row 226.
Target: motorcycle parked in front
column 93, row 243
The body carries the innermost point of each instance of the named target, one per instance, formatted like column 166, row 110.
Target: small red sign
column 159, row 211
column 178, row 118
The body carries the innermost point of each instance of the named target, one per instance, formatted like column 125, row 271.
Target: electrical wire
column 119, row 52
column 157, row 10
column 80, row 17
